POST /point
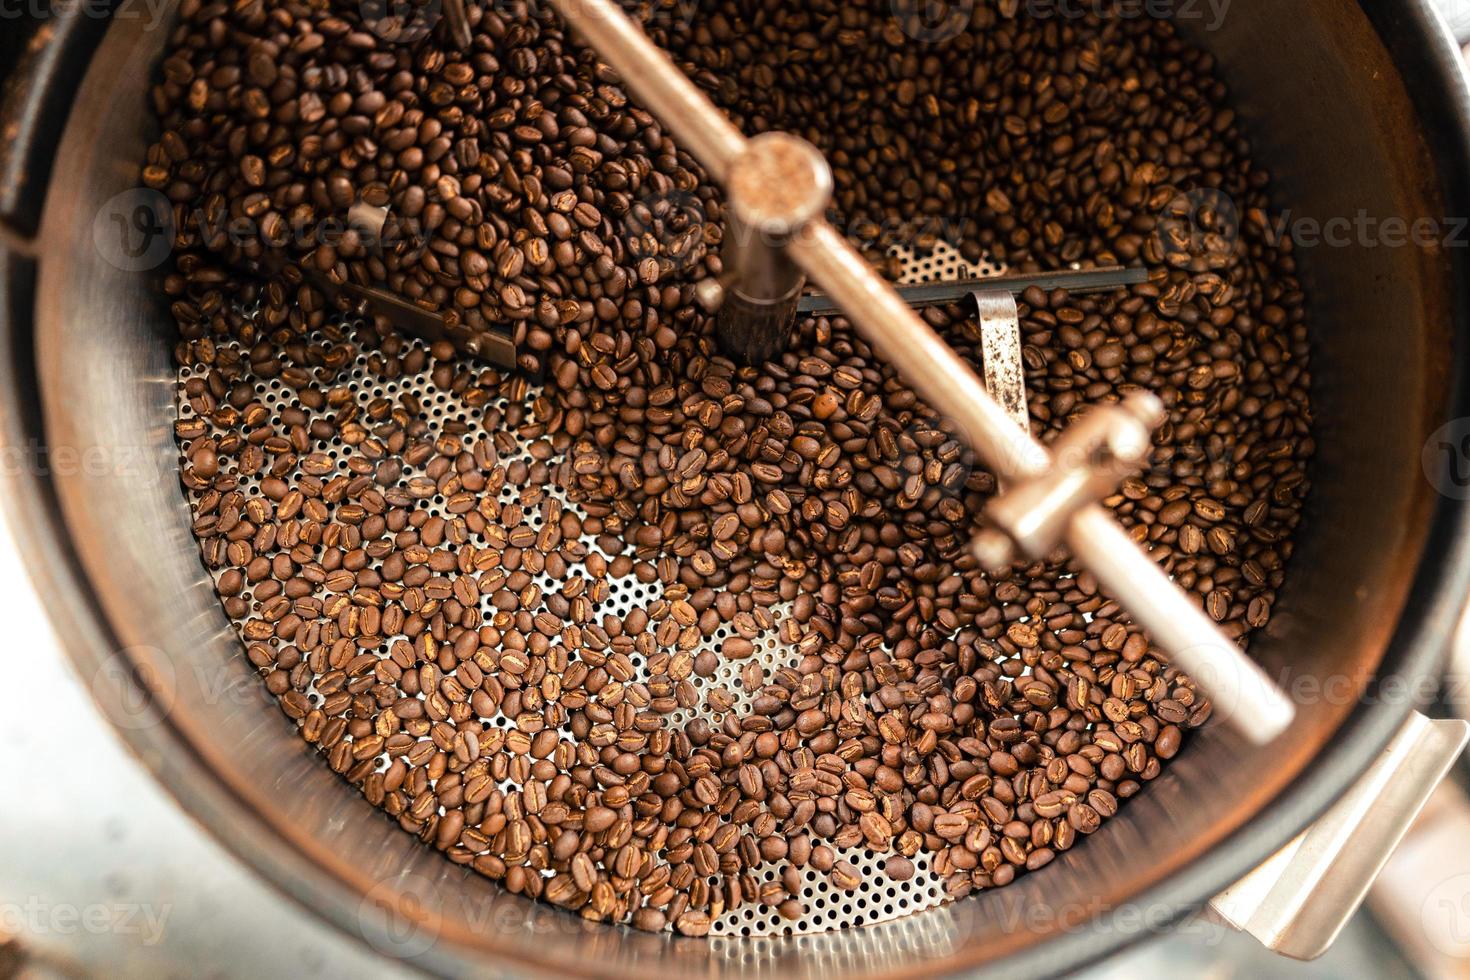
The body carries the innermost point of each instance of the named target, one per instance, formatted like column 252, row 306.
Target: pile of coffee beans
column 387, row 573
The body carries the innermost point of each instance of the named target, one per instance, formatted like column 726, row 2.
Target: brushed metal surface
column 1301, row 899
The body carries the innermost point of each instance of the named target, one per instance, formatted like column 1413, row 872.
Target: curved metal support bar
column 1000, row 348
column 923, row 294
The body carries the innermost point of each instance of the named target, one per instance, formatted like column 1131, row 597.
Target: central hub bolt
column 777, row 184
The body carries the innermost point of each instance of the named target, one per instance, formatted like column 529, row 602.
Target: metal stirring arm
column 778, row 187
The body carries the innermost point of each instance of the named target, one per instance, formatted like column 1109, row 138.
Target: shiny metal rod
column 1241, row 693
column 1244, row 696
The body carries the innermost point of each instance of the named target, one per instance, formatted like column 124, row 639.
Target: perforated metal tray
column 879, row 898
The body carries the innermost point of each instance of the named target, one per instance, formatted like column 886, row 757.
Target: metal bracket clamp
column 1088, row 459
column 1300, row 899
column 1000, row 351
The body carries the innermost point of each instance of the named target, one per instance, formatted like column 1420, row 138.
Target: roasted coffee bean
column 898, row 868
